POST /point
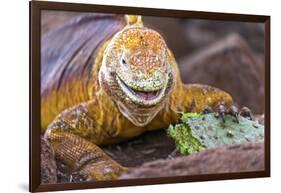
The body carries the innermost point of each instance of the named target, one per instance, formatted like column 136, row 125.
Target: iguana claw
column 221, row 110
column 246, row 112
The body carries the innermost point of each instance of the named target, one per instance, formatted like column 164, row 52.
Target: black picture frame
column 34, row 113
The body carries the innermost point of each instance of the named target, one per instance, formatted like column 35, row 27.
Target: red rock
column 234, row 158
column 231, row 65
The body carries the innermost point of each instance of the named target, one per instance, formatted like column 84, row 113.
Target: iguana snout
column 142, row 76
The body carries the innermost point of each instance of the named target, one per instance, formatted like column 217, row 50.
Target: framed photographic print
column 125, row 96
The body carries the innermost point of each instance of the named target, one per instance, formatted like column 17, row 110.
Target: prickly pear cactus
column 197, row 132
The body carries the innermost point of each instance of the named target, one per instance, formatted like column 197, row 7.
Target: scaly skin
column 134, row 87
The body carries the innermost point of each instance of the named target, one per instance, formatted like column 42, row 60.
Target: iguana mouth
column 141, row 97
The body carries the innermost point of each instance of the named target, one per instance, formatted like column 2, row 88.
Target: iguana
column 133, row 86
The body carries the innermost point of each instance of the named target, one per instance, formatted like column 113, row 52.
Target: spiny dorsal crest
column 134, row 20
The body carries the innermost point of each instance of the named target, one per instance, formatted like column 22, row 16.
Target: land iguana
column 132, row 86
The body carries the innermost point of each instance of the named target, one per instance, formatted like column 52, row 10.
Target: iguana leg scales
column 199, row 98
column 78, row 153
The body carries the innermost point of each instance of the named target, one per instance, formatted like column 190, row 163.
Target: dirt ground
column 148, row 147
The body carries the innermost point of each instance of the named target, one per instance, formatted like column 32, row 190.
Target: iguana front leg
column 68, row 135
column 197, row 97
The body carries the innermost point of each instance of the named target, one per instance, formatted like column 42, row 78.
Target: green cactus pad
column 197, row 132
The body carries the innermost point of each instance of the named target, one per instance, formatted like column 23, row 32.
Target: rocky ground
column 154, row 154
column 227, row 159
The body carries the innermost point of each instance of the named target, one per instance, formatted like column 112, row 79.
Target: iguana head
column 136, row 74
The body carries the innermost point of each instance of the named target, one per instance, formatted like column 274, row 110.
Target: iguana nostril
column 139, row 73
column 124, row 61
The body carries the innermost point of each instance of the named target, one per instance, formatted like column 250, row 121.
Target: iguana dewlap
column 133, row 86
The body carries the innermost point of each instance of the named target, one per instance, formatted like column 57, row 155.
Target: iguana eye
column 123, row 61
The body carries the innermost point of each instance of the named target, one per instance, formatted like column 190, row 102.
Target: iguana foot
column 221, row 110
column 102, row 170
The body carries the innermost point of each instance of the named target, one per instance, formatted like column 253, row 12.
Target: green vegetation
column 197, row 132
